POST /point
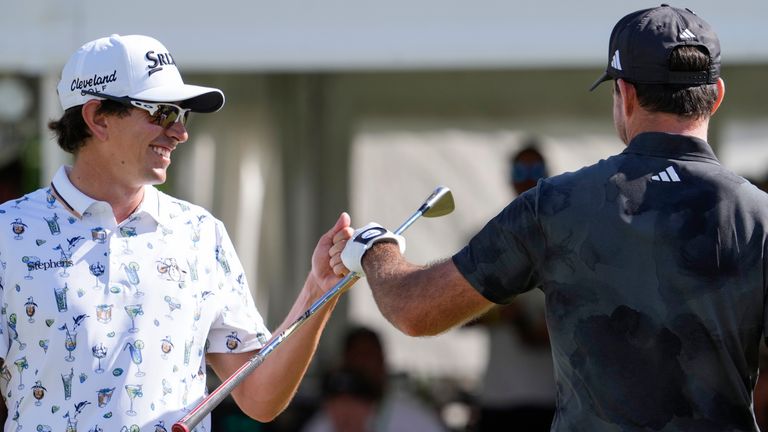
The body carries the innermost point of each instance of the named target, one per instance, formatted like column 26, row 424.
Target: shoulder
column 181, row 211
column 747, row 195
column 583, row 188
column 598, row 173
column 30, row 205
column 30, row 200
column 22, row 214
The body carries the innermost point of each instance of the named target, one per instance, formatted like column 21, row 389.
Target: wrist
column 381, row 254
column 363, row 240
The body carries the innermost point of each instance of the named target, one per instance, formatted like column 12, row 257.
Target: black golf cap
column 641, row 44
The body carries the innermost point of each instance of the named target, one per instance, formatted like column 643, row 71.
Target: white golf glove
column 362, row 240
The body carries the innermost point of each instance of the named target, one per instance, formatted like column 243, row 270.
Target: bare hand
column 339, row 241
column 325, row 274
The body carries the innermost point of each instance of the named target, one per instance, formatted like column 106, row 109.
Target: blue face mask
column 522, row 171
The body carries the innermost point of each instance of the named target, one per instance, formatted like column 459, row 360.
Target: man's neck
column 99, row 185
column 669, row 123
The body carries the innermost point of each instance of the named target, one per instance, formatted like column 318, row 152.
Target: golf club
column 437, row 204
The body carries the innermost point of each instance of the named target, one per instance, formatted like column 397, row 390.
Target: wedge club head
column 440, row 203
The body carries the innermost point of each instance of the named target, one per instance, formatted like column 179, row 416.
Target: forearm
column 420, row 300
column 266, row 392
column 269, row 389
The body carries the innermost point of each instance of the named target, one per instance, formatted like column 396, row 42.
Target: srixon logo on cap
column 158, row 60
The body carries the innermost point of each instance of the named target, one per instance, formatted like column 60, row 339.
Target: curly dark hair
column 71, row 130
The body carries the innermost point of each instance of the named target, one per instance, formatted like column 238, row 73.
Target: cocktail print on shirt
column 111, row 300
column 18, row 226
column 70, row 340
column 53, row 224
column 12, row 323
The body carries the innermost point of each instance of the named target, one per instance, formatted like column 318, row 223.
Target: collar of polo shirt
column 79, row 203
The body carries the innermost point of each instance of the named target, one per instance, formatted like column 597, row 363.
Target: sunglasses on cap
column 160, row 113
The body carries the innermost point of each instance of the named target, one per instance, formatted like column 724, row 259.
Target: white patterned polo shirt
column 105, row 325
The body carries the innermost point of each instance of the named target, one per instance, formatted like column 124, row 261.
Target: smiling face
column 138, row 152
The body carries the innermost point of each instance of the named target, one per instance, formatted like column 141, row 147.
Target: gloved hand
column 362, row 240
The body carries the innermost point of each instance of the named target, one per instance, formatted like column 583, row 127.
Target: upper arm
column 238, row 325
column 504, row 259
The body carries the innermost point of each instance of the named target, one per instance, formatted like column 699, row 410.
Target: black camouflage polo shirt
column 654, row 268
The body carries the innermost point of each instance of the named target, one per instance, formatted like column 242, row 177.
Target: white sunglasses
column 161, row 113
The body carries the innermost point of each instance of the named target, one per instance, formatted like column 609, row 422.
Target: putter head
column 440, row 203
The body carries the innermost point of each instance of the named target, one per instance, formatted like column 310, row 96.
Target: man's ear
column 720, row 95
column 628, row 97
column 95, row 121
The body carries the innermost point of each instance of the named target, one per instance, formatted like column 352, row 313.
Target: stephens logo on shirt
column 33, row 264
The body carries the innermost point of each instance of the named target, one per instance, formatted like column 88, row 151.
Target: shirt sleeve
column 501, row 261
column 239, row 326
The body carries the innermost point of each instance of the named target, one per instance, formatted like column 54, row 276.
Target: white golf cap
column 134, row 66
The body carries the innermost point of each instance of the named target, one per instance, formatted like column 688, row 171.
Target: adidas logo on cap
column 687, row 34
column 616, row 61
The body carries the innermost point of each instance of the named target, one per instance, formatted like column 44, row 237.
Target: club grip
column 179, row 427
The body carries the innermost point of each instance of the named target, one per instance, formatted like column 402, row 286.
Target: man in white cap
column 116, row 294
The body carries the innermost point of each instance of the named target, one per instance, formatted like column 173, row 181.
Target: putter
column 439, row 203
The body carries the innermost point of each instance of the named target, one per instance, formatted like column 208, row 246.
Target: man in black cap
column 653, row 261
